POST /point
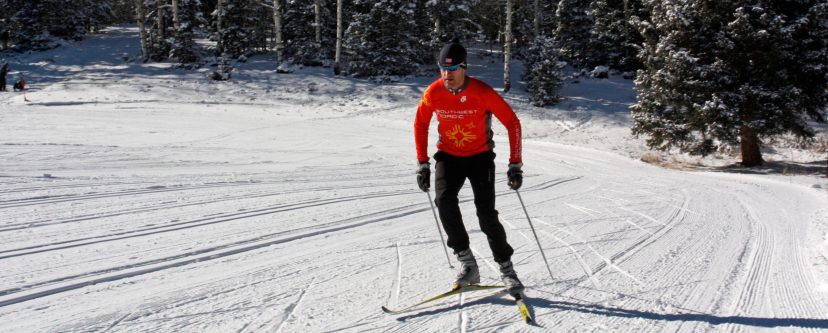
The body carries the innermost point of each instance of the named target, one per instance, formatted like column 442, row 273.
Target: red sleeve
column 504, row 113
column 421, row 122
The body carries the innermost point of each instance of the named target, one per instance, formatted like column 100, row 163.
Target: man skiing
column 464, row 107
column 3, row 72
column 20, row 84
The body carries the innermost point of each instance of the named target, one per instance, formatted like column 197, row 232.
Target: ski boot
column 510, row 279
column 469, row 272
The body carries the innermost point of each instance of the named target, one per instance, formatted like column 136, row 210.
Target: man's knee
column 443, row 200
column 487, row 216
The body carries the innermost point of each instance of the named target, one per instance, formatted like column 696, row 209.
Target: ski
column 454, row 291
column 524, row 310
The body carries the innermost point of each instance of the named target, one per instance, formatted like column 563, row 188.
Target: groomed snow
column 139, row 198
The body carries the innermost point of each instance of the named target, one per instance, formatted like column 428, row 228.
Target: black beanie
column 452, row 54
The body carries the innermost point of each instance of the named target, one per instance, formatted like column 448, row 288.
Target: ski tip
column 524, row 310
column 386, row 310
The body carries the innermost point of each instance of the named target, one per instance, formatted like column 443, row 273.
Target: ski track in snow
column 165, row 202
column 292, row 307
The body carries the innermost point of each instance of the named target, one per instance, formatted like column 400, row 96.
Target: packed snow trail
column 173, row 203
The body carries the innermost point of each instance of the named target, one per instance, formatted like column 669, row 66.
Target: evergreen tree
column 183, row 49
column 543, row 72
column 573, row 33
column 240, row 22
column 27, row 27
column 608, row 32
column 71, row 24
column 378, row 38
column 525, row 17
column 4, row 32
column 488, row 19
column 33, row 25
column 95, row 14
column 300, row 32
column 634, row 12
column 731, row 72
column 158, row 25
column 123, row 11
column 448, row 20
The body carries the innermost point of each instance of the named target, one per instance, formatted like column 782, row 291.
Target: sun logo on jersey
column 460, row 136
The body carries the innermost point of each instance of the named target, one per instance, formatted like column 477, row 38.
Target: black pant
column 450, row 174
column 3, row 83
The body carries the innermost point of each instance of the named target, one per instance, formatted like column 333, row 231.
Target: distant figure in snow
column 464, row 107
column 4, row 39
column 20, row 84
column 3, row 72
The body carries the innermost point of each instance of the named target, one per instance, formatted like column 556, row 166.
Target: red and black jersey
column 465, row 120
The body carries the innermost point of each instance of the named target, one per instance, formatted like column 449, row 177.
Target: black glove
column 424, row 176
column 515, row 175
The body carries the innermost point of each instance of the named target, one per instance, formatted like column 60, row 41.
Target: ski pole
column 536, row 235
column 443, row 241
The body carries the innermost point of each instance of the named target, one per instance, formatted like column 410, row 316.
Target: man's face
column 453, row 78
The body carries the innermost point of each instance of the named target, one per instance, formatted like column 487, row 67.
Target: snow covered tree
column 27, row 27
column 528, row 18
column 608, row 33
column 34, row 25
column 124, row 11
column 543, row 72
column 634, row 11
column 301, row 31
column 449, row 19
column 573, row 33
column 186, row 16
column 536, row 21
column 241, row 22
column 731, row 72
column 525, row 18
column 488, row 19
column 95, row 14
column 4, row 33
column 379, row 39
column 158, row 29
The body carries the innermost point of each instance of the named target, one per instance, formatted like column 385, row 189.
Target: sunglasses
column 452, row 67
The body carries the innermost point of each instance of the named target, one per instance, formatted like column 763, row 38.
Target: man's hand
column 515, row 175
column 424, row 176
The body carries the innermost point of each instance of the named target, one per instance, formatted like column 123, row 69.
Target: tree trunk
column 176, row 20
column 220, row 28
column 277, row 26
column 317, row 23
column 538, row 14
column 161, row 28
column 751, row 155
column 141, row 16
column 438, row 31
column 507, row 48
column 337, row 68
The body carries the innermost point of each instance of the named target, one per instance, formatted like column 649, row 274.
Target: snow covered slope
column 135, row 198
